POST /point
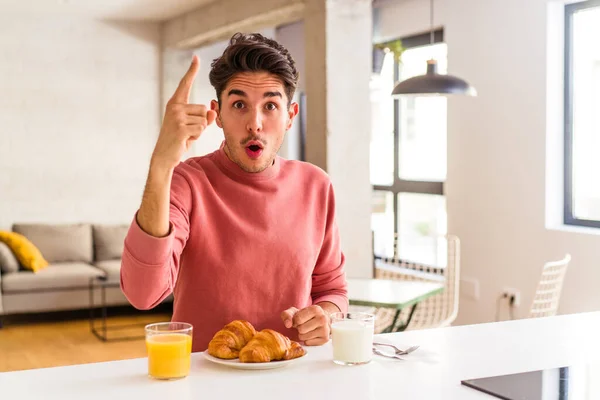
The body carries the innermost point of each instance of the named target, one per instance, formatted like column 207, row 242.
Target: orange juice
column 169, row 355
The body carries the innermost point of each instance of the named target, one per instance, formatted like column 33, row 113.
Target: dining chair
column 436, row 311
column 547, row 295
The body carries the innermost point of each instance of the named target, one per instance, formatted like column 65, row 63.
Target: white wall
column 497, row 150
column 79, row 115
column 399, row 18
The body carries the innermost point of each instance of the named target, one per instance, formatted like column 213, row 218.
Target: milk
column 352, row 341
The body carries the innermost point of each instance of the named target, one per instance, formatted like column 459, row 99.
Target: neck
column 226, row 149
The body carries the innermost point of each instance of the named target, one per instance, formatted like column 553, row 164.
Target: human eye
column 271, row 106
column 238, row 105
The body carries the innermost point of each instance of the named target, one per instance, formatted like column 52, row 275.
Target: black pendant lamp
column 433, row 83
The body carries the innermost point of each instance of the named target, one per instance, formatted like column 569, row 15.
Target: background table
column 395, row 294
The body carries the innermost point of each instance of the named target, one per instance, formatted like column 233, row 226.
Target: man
column 239, row 233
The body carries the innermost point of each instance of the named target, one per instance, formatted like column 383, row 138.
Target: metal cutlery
column 381, row 353
column 398, row 351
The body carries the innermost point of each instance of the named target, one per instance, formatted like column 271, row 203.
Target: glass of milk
column 352, row 337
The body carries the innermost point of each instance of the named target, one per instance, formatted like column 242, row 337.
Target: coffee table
column 101, row 283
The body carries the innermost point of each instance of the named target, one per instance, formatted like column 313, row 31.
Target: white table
column 396, row 294
column 446, row 357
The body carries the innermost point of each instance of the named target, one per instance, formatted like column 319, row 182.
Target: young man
column 239, row 233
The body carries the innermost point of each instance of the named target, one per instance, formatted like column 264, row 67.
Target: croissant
column 228, row 342
column 269, row 345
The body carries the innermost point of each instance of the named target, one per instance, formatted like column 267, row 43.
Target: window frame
column 402, row 185
column 568, row 216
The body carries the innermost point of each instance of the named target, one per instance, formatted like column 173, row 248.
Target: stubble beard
column 253, row 169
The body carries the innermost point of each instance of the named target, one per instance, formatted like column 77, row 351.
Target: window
column 408, row 157
column 582, row 114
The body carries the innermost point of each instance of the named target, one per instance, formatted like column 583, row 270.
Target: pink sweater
column 241, row 246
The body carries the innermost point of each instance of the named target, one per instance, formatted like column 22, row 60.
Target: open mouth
column 254, row 150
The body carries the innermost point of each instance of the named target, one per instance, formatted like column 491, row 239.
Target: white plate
column 235, row 363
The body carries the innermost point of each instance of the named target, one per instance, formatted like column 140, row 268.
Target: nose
column 254, row 124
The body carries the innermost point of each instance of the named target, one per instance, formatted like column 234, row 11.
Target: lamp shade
column 433, row 83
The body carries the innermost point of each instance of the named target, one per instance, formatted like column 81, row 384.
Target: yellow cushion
column 28, row 255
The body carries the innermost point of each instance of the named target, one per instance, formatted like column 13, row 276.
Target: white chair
column 547, row 296
column 436, row 311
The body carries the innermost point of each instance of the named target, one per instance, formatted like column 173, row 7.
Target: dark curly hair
column 252, row 53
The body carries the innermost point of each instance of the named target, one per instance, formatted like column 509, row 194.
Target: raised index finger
column 182, row 94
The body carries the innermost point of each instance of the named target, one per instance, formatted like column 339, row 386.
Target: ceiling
column 147, row 10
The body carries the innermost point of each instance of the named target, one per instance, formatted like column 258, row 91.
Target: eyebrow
column 241, row 93
column 272, row 94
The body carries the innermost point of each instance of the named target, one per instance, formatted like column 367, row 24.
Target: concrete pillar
column 338, row 69
column 291, row 36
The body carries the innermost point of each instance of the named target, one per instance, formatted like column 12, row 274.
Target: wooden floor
column 31, row 343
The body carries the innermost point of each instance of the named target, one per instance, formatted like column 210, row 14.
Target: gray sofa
column 76, row 253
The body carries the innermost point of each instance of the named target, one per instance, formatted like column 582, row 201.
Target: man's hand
column 183, row 123
column 312, row 323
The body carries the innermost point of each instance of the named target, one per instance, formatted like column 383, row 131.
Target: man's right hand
column 183, row 123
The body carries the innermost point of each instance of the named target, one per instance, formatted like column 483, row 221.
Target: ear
column 292, row 112
column 214, row 105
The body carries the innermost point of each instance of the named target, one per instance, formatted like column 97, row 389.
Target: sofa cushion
column 55, row 276
column 8, row 261
column 112, row 269
column 25, row 251
column 108, row 241
column 60, row 243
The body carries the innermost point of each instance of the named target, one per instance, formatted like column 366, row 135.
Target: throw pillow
column 28, row 255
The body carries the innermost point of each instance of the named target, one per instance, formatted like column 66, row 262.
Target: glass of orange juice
column 169, row 346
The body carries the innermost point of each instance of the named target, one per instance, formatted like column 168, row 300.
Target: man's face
column 254, row 116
